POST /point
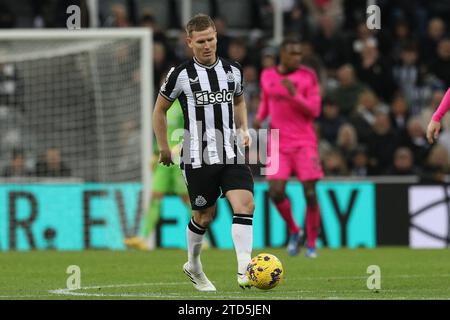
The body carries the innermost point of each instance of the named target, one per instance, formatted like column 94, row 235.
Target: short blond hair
column 199, row 22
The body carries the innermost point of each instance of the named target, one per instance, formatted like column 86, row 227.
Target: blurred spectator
column 268, row 58
column 416, row 140
column 376, row 72
column 360, row 166
column 181, row 50
column 160, row 63
column 330, row 120
column 332, row 8
column 262, row 15
column 347, row 141
column 37, row 8
column 313, row 61
column 435, row 33
column 251, row 80
column 252, row 109
column 411, row 12
column 329, row 43
column 403, row 163
column 295, row 20
column 12, row 132
column 323, row 146
column 129, row 137
column 399, row 115
column 440, row 67
column 252, row 91
column 17, row 166
column 362, row 38
column 427, row 112
column 363, row 118
column 148, row 21
column 401, row 37
column 237, row 51
column 334, row 163
column 51, row 165
column 347, row 93
column 223, row 39
column 408, row 74
column 354, row 12
column 118, row 17
column 382, row 142
column 436, row 165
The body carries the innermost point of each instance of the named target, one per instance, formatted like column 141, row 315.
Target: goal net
column 80, row 92
column 82, row 96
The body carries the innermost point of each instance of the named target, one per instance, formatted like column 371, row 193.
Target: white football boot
column 200, row 281
column 243, row 281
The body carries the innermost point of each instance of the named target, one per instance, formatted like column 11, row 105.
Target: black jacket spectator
column 382, row 143
column 441, row 66
column 17, row 166
column 330, row 121
column 403, row 163
column 51, row 165
column 376, row 72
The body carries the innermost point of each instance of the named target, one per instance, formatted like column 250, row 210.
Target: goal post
column 88, row 92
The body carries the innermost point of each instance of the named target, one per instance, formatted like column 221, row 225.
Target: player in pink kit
column 435, row 123
column 290, row 96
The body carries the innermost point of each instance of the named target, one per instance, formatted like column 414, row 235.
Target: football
column 265, row 271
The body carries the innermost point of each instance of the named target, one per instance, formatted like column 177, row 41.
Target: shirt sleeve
column 443, row 107
column 171, row 88
column 310, row 103
column 239, row 90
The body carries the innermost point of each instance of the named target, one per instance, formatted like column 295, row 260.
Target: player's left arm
column 240, row 117
column 310, row 102
column 263, row 108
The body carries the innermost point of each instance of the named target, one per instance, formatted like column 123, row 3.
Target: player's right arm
column 170, row 90
column 160, row 128
column 435, row 123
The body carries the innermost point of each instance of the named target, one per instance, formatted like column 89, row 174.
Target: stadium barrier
column 355, row 214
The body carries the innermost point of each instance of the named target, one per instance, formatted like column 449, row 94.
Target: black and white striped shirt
column 206, row 95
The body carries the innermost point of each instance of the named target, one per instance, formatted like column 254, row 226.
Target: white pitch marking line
column 71, row 292
column 27, row 296
column 402, row 276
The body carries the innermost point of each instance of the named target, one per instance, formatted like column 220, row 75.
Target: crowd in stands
column 379, row 87
column 49, row 165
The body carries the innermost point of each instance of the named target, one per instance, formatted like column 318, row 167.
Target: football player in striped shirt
column 210, row 91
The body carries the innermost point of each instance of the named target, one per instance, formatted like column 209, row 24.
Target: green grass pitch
column 335, row 274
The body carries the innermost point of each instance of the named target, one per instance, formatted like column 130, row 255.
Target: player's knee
column 204, row 220
column 311, row 198
column 276, row 194
column 249, row 207
column 245, row 207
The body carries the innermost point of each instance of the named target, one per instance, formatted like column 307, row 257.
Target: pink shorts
column 303, row 161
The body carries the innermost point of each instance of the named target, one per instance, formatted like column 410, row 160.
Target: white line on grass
column 230, row 295
column 402, row 276
column 26, row 296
